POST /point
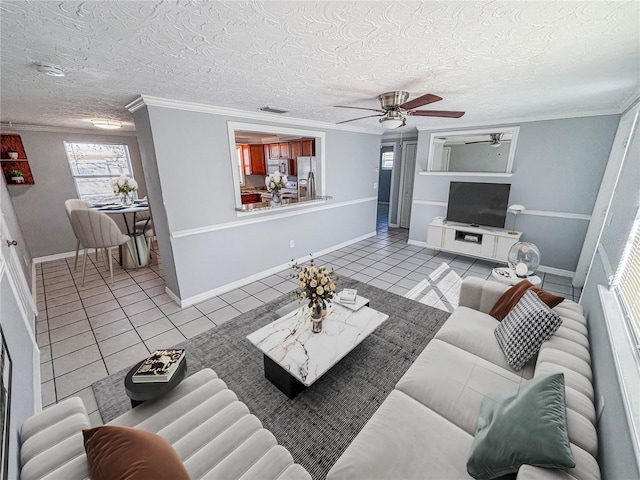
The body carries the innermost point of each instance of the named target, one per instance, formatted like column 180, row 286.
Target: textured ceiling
column 494, row 60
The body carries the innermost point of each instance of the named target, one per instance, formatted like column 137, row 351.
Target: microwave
column 278, row 165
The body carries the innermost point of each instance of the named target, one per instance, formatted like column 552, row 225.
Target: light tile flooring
column 88, row 332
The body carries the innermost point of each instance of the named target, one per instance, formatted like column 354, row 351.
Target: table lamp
column 515, row 209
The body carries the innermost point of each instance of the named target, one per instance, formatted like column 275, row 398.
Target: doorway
column 385, row 171
column 407, row 176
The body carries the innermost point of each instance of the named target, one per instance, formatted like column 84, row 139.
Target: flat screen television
column 478, row 203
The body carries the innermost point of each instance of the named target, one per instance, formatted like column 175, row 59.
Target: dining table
column 138, row 242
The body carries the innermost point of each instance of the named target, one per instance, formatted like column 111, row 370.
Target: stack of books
column 348, row 295
column 160, row 366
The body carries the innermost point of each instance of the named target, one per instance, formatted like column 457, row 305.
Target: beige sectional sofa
column 425, row 427
column 211, row 430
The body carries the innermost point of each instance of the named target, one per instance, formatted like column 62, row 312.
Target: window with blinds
column 626, row 282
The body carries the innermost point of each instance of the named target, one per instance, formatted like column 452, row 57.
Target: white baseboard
column 556, row 271
column 201, row 297
column 51, row 258
column 417, row 243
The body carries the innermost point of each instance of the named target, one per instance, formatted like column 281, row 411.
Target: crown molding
column 147, row 100
column 53, row 129
column 633, row 98
column 541, row 118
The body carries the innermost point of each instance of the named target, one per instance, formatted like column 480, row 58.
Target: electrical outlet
column 291, row 244
column 377, row 170
column 375, row 185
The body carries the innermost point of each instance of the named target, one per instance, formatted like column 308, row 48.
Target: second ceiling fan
column 395, row 108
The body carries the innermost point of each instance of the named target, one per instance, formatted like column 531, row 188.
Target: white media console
column 490, row 243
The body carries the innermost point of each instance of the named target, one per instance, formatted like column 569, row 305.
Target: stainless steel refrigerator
column 306, row 165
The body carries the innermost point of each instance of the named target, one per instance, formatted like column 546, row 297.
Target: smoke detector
column 49, row 69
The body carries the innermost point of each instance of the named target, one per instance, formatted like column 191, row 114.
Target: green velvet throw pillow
column 525, row 425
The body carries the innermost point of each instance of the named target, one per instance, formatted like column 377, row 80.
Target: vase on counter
column 316, row 317
column 276, row 198
column 126, row 199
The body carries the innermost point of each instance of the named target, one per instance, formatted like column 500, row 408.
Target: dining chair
column 69, row 205
column 96, row 230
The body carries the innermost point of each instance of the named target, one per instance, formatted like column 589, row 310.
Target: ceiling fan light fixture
column 391, row 123
column 496, row 144
column 106, row 124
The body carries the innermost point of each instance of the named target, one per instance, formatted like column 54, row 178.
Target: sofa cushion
column 405, row 440
column 523, row 425
column 473, row 331
column 453, row 382
column 523, row 330
column 128, row 453
column 511, row 297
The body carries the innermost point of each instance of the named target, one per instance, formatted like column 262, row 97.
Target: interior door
column 17, row 310
column 407, row 176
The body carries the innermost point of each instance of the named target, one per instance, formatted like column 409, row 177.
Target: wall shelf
column 12, row 141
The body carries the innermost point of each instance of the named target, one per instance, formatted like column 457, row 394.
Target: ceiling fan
column 493, row 142
column 395, row 108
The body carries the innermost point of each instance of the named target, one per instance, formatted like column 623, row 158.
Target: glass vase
column 127, row 199
column 316, row 318
column 276, row 198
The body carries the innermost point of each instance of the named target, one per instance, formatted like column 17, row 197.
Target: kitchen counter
column 286, row 203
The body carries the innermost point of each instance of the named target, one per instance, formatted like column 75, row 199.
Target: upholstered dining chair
column 69, row 205
column 96, row 230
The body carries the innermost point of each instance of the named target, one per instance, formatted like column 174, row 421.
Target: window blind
column 627, row 279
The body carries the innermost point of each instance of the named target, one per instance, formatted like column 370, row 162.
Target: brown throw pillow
column 130, row 454
column 511, row 297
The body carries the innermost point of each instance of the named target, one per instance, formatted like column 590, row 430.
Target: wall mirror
column 486, row 151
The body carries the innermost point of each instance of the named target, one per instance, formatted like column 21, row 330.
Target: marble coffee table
column 294, row 357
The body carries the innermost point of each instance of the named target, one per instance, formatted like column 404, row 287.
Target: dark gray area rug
column 317, row 425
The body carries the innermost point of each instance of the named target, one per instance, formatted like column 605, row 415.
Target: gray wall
column 616, row 455
column 558, row 166
column 19, row 343
column 479, row 158
column 244, row 247
column 40, row 207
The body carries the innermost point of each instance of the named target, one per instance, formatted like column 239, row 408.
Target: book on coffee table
column 159, row 366
column 348, row 295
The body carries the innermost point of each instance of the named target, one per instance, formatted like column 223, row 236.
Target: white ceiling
column 495, row 60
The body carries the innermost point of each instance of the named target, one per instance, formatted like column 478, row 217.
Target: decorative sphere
column 524, row 259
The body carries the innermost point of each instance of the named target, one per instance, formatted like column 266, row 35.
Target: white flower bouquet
column 317, row 284
column 123, row 185
column 275, row 182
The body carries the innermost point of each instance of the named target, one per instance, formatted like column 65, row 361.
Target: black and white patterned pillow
column 525, row 328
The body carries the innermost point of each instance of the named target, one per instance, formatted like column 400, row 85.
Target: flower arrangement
column 124, row 185
column 275, row 182
column 317, row 284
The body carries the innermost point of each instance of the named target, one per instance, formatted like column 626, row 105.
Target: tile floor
column 88, row 332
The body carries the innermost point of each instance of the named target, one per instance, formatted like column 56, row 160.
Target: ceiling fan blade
column 482, row 141
column 360, row 118
column 361, row 108
column 436, row 113
column 425, row 99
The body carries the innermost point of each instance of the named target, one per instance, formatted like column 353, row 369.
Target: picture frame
column 5, row 404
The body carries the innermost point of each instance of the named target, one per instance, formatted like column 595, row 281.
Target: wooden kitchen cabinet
column 256, row 159
column 308, row 148
column 296, row 151
column 279, row 150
